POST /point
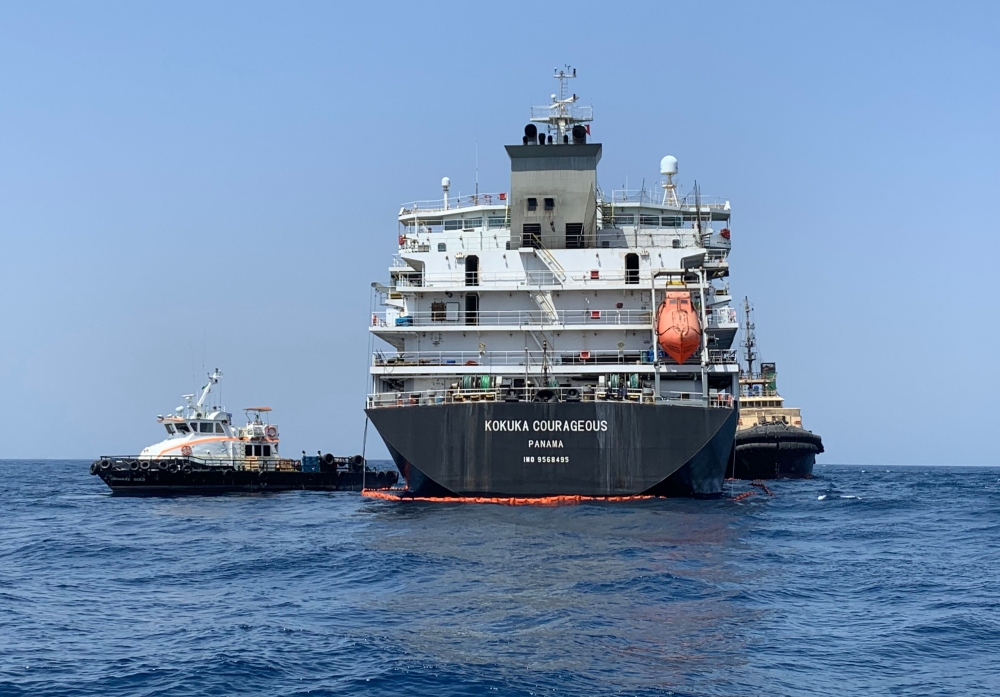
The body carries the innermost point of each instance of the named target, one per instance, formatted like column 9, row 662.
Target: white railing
column 516, row 318
column 654, row 195
column 498, row 200
column 488, row 359
column 598, row 277
column 577, row 112
column 721, row 315
column 547, row 394
column 472, row 241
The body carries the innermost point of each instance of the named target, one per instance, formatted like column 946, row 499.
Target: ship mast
column 750, row 341
column 562, row 113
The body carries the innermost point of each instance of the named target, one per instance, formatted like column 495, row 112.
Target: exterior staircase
column 554, row 266
column 543, row 298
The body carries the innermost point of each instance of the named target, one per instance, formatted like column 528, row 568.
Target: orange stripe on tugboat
column 196, row 442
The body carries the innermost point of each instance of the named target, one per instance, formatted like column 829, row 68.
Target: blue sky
column 192, row 185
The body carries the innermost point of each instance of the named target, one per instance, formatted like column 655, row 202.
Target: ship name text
column 577, row 425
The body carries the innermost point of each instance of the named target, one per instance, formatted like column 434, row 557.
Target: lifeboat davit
column 677, row 327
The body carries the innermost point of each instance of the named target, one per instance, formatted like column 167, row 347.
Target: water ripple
column 863, row 580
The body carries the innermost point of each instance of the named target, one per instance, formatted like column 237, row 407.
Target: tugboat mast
column 750, row 341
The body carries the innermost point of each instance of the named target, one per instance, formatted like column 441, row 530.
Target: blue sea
column 864, row 580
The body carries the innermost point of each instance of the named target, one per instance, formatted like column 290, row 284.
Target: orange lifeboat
column 677, row 327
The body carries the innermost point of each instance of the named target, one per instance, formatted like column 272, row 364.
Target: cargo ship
column 205, row 452
column 558, row 338
column 770, row 440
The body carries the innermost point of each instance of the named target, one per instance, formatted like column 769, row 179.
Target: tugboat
column 204, row 452
column 770, row 440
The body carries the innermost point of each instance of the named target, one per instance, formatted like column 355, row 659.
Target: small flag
column 503, row 196
column 587, row 126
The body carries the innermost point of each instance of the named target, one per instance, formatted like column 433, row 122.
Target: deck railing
column 547, row 395
column 488, row 359
column 454, row 203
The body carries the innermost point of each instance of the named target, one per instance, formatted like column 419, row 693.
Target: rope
column 364, row 460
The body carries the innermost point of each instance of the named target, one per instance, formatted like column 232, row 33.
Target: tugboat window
column 206, row 427
column 532, row 204
column 170, row 429
column 267, row 451
column 219, row 429
column 194, row 427
column 256, row 450
column 183, row 428
column 248, row 451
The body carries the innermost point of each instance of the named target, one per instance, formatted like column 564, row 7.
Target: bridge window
column 267, row 450
column 219, row 428
column 183, row 428
column 532, row 204
column 442, row 247
column 631, row 268
column 206, row 427
column 550, row 204
column 170, row 429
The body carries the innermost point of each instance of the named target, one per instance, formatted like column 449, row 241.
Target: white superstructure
column 551, row 289
column 206, row 434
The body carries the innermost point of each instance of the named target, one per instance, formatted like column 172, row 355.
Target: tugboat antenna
column 749, row 341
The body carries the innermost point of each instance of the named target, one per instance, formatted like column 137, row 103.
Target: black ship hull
column 525, row 449
column 775, row 451
column 217, row 480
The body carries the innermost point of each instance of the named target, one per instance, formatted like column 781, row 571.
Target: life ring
column 133, row 465
column 161, row 465
column 174, row 467
column 105, row 464
column 471, row 363
column 186, row 450
column 144, row 465
column 94, row 467
column 271, row 432
column 186, row 469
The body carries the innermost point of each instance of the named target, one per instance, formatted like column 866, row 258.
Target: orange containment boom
column 677, row 327
column 503, row 501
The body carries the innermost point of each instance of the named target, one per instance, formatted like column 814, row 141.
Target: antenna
column 562, row 113
column 477, row 170
column 697, row 207
column 668, row 168
column 749, row 341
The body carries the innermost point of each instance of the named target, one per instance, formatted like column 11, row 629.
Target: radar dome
column 445, row 182
column 668, row 165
